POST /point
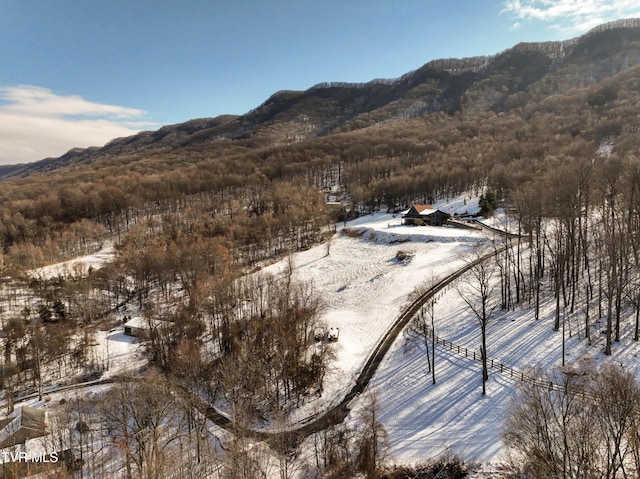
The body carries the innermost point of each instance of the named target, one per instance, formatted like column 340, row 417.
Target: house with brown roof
column 421, row 215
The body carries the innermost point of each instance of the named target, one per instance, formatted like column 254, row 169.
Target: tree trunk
column 485, row 370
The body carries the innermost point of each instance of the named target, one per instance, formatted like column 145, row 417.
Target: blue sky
column 81, row 72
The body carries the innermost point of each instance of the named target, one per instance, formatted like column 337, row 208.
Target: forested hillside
column 434, row 132
column 550, row 129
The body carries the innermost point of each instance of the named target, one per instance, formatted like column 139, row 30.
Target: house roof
column 143, row 323
column 137, row 322
column 425, row 210
column 420, row 208
column 23, row 424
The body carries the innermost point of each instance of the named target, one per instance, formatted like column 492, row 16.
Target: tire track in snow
column 359, row 279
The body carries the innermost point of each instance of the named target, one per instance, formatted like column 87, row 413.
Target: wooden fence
column 500, row 367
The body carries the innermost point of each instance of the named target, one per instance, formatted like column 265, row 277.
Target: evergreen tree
column 488, row 203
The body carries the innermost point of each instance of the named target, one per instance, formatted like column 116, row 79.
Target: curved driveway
column 338, row 413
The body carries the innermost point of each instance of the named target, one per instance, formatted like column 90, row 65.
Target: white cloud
column 36, row 123
column 572, row 16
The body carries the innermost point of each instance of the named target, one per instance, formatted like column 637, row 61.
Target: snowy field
column 364, row 284
column 425, row 420
column 78, row 266
column 364, row 287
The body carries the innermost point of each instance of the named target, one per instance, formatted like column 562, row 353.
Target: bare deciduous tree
column 477, row 291
column 371, row 440
column 422, row 329
column 143, row 421
column 586, row 426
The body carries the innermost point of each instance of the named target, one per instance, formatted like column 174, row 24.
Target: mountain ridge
column 442, row 85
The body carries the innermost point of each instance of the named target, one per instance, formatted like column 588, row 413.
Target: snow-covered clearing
column 121, row 352
column 424, row 420
column 78, row 266
column 364, row 289
column 364, row 283
column 364, row 286
column 111, row 349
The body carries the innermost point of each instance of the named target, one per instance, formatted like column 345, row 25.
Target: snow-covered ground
column 119, row 351
column 78, row 266
column 111, row 349
column 364, row 286
column 365, row 289
column 424, row 420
